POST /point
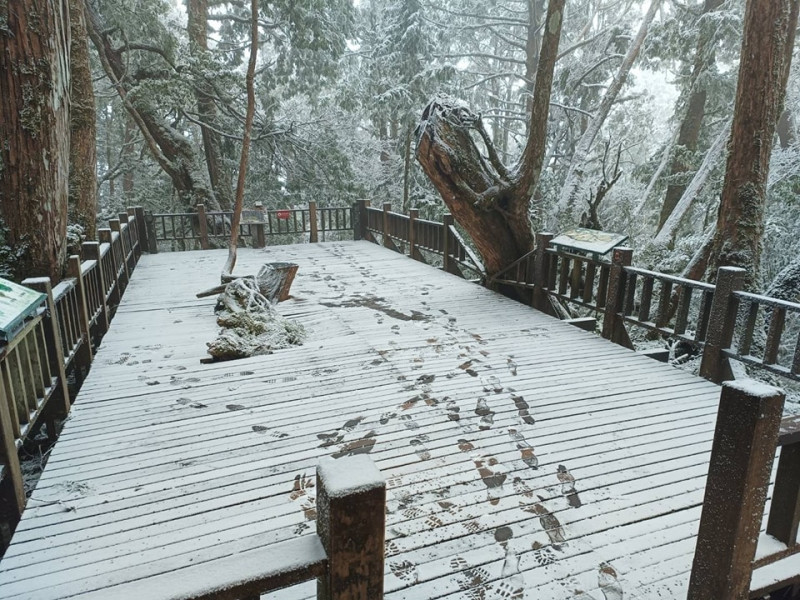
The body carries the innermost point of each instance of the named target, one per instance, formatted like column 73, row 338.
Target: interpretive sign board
column 590, row 241
column 17, row 303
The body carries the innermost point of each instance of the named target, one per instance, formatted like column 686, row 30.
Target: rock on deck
column 520, row 453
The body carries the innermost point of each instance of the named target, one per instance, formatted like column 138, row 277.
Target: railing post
column 721, row 323
column 91, row 251
column 742, row 454
column 312, row 219
column 202, row 226
column 117, row 227
column 387, row 241
column 351, row 517
column 141, row 229
column 413, row 215
column 134, row 225
column 784, row 512
column 105, row 238
column 360, row 220
column 613, row 322
column 84, row 356
column 541, row 267
column 447, row 221
column 150, row 227
column 52, row 339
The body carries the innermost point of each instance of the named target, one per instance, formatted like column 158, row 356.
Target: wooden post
column 84, row 356
column 351, row 517
column 387, row 241
column 784, row 512
column 742, row 454
column 116, row 295
column 613, row 323
column 126, row 276
column 52, row 339
column 202, row 226
column 413, row 215
column 447, row 220
column 312, row 218
column 541, row 266
column 360, row 220
column 150, row 227
column 91, row 251
column 9, row 456
column 134, row 226
column 141, row 229
column 721, row 323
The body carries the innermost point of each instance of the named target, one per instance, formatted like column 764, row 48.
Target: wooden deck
column 455, row 392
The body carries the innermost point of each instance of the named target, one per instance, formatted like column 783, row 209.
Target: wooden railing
column 731, row 559
column 55, row 347
column 425, row 241
column 201, row 229
column 718, row 320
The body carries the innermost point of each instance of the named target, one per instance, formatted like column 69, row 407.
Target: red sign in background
column 283, row 214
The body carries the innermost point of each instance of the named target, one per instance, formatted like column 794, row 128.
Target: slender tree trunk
column 248, row 126
column 220, row 176
column 407, row 167
column 126, row 158
column 35, row 131
column 532, row 46
column 787, row 132
column 768, row 41
column 82, row 151
column 693, row 116
column 577, row 168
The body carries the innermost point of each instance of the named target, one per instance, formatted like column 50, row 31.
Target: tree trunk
column 407, row 167
column 491, row 202
column 220, row 176
column 230, row 263
column 170, row 148
column 126, row 159
column 768, row 40
column 35, row 131
column 82, row 150
column 787, row 134
column 693, row 117
column 572, row 184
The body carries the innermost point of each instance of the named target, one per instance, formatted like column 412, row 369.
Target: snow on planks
column 523, row 457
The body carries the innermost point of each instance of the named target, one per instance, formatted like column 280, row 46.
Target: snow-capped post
column 52, row 341
column 312, row 220
column 447, row 221
column 360, row 220
column 150, row 227
column 613, row 320
column 413, row 215
column 387, row 241
column 105, row 238
column 83, row 359
column 721, row 324
column 202, row 226
column 91, row 251
column 351, row 521
column 784, row 512
column 141, row 229
column 742, row 454
column 116, row 227
column 541, row 267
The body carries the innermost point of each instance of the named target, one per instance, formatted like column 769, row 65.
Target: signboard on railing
column 590, row 241
column 17, row 303
column 284, row 214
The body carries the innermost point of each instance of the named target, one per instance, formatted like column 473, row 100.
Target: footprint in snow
column 189, row 402
column 523, row 409
column 512, row 366
column 525, row 449
column 512, row 584
column 492, row 476
column 470, row 579
column 409, row 422
column 491, row 384
column 485, row 413
column 419, row 447
column 452, row 411
column 568, row 486
column 234, row 407
column 362, row 445
column 405, row 571
column 608, row 581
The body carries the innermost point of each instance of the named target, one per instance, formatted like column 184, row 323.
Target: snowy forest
column 632, row 136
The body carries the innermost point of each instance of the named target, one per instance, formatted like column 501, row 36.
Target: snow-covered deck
column 478, row 410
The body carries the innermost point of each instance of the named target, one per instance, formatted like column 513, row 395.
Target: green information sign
column 17, row 303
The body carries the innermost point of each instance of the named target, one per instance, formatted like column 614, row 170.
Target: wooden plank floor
column 457, row 394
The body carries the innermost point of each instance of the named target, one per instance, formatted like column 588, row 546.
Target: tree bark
column 35, row 131
column 220, row 176
column 82, row 150
column 490, row 201
column 230, row 263
column 768, row 40
column 172, row 151
column 693, row 118
column 576, row 172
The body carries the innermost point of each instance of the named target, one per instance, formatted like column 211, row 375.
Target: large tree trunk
column 220, row 176
column 170, row 148
column 566, row 208
column 769, row 31
column 35, row 131
column 692, row 119
column 82, row 150
column 491, row 202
